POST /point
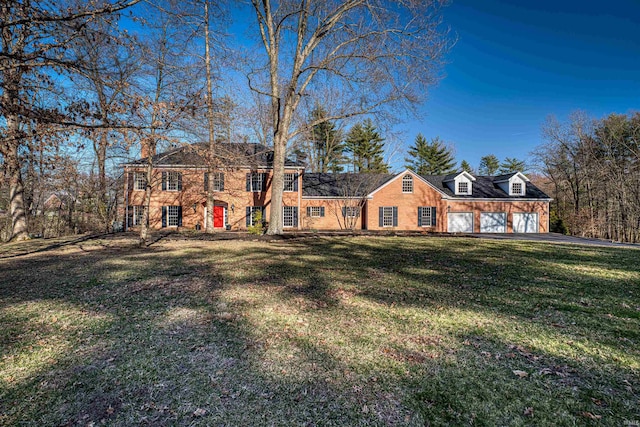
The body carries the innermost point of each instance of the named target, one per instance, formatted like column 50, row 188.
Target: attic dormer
column 514, row 184
column 460, row 183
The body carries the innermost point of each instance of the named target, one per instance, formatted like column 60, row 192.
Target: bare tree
column 381, row 53
column 36, row 36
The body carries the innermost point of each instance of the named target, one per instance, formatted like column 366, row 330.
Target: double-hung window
column 172, row 216
column 172, row 181
column 253, row 214
column 315, row 211
column 139, row 181
column 463, row 187
column 388, row 216
column 350, row 211
column 426, row 216
column 290, row 216
column 256, row 182
column 218, row 181
column 290, row 182
column 135, row 215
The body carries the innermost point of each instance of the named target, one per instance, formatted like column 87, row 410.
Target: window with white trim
column 173, row 216
column 516, row 188
column 139, row 181
column 173, row 178
column 426, row 216
column 251, row 215
column 463, row 187
column 289, row 216
column 387, row 216
column 315, row 211
column 138, row 214
column 218, row 181
column 407, row 184
column 256, row 182
column 351, row 211
column 290, row 182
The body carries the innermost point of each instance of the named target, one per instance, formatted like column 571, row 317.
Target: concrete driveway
column 556, row 238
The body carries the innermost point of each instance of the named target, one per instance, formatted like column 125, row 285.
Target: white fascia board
column 370, row 195
column 487, row 199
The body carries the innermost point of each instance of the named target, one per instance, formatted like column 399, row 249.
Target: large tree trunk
column 16, row 187
column 210, row 155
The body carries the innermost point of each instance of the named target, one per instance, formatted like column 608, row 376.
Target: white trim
column 370, row 195
column 518, row 174
column 461, row 212
column 504, row 225
column 487, row 199
column 456, row 176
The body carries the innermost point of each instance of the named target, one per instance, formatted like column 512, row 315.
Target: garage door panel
column 525, row 222
column 493, row 222
column 460, row 222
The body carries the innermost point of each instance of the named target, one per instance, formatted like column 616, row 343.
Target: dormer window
column 407, row 184
column 516, row 188
column 463, row 187
column 460, row 183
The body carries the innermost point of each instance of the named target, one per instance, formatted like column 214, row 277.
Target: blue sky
column 516, row 62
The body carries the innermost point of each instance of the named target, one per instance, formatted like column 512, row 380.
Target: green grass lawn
column 320, row 331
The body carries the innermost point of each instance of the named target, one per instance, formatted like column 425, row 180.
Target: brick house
column 458, row 202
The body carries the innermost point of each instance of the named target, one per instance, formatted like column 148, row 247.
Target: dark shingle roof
column 235, row 154
column 485, row 187
column 341, row 184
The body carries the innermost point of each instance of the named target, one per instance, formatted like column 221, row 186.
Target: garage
column 493, row 222
column 460, row 222
column 525, row 222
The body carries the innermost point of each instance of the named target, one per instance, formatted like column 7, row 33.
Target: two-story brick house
column 406, row 201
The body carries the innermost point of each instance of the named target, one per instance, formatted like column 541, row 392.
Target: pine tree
column 489, row 165
column 326, row 141
column 430, row 158
column 366, row 147
column 511, row 164
column 466, row 167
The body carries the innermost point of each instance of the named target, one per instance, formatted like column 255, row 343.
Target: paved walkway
column 556, row 238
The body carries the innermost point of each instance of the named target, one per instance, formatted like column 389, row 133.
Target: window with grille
column 463, row 188
column 516, row 188
column 290, row 181
column 351, row 211
column 140, row 181
column 256, row 182
column 315, row 211
column 407, row 184
column 426, row 216
column 138, row 215
column 172, row 183
column 218, row 181
column 290, row 216
column 387, row 217
column 173, row 216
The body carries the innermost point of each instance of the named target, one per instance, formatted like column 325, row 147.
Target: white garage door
column 460, row 222
column 493, row 222
column 525, row 222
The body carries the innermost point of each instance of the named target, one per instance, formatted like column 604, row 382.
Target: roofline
column 514, row 174
column 158, row 166
column 370, row 195
column 494, row 199
column 333, row 197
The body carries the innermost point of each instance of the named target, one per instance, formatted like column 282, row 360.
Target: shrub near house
column 457, row 202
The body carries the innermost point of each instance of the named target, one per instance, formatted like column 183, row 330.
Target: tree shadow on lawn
column 172, row 341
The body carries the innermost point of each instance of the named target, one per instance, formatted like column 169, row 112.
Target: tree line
column 84, row 84
column 593, row 171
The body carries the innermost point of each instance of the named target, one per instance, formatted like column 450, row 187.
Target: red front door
column 218, row 216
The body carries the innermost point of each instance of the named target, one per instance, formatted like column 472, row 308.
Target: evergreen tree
column 366, row 147
column 430, row 158
column 489, row 165
column 466, row 167
column 511, row 164
column 326, row 143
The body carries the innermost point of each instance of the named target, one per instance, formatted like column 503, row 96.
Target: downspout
column 126, row 199
column 299, row 197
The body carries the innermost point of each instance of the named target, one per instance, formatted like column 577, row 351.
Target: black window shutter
column 248, row 182
column 179, row 181
column 221, row 181
column 130, row 180
column 164, row 216
column 321, row 211
column 295, row 216
column 420, row 216
column 164, row 181
column 264, row 182
column 129, row 216
column 308, row 210
column 264, row 214
column 248, row 216
column 179, row 215
column 206, row 181
column 433, row 216
column 344, row 212
column 295, row 183
column 381, row 216
column 395, row 216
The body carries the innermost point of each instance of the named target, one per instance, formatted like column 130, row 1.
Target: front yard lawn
column 319, row 331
